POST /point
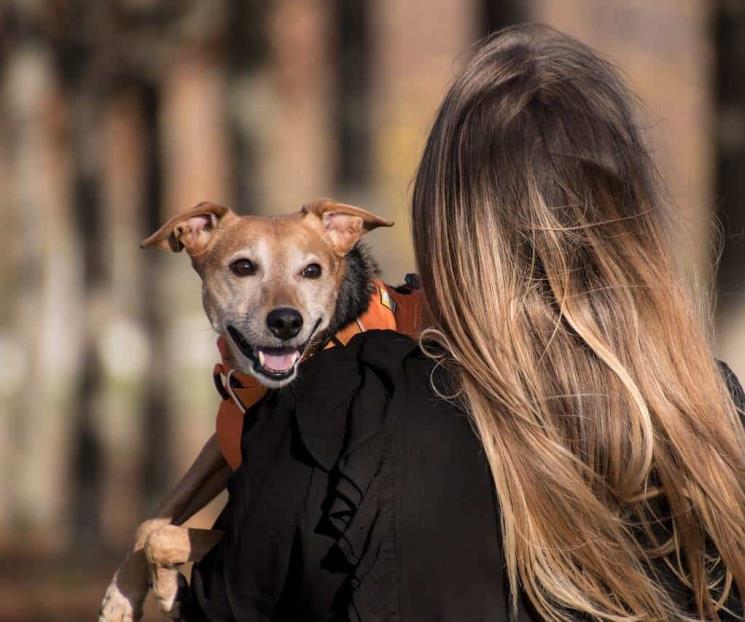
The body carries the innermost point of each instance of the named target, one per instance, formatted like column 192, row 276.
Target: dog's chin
column 272, row 380
column 273, row 366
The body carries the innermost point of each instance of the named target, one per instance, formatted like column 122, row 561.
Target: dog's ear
column 191, row 230
column 343, row 225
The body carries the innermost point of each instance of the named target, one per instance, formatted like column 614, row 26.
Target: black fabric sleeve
column 244, row 575
column 208, row 586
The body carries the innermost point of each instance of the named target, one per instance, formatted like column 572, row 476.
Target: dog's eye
column 312, row 271
column 243, row 267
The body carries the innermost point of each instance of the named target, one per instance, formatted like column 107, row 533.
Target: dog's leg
column 128, row 588
column 168, row 548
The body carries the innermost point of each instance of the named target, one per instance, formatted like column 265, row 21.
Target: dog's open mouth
column 274, row 363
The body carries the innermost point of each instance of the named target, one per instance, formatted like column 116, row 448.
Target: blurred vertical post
column 299, row 155
column 196, row 167
column 419, row 47
column 247, row 51
column 120, row 419
column 45, row 302
column 285, row 107
column 281, row 89
column 352, row 53
column 729, row 37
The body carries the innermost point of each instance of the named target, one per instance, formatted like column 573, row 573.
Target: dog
column 276, row 289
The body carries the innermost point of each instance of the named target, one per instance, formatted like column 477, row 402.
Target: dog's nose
column 284, row 322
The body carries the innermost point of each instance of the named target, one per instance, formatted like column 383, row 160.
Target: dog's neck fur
column 356, row 288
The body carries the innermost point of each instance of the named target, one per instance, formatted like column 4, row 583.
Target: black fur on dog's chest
column 356, row 288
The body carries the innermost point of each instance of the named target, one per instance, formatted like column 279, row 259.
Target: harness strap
column 233, row 396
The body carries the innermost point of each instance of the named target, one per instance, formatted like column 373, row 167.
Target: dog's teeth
column 262, row 358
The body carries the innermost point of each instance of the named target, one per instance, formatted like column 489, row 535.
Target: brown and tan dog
column 275, row 288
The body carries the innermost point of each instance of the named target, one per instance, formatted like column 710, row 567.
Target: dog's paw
column 119, row 606
column 169, row 588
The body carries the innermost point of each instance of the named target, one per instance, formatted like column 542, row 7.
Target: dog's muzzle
column 276, row 364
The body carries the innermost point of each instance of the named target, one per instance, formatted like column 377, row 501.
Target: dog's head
column 269, row 284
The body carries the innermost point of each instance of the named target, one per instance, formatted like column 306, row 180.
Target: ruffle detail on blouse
column 361, row 516
column 359, row 508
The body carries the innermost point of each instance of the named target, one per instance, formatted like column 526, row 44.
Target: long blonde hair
column 616, row 450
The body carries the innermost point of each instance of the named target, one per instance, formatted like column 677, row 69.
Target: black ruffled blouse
column 361, row 496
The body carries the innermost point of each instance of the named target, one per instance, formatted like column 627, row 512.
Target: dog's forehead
column 275, row 233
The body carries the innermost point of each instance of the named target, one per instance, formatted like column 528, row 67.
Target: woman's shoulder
column 342, row 395
column 383, row 350
column 381, row 388
column 331, row 376
column 390, row 354
column 367, row 372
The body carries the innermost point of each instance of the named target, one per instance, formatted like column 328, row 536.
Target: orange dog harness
column 389, row 309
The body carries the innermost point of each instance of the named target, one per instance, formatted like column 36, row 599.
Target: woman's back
column 365, row 495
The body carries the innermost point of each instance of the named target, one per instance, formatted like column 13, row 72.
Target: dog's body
column 275, row 289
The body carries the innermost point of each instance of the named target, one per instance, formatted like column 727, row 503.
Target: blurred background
column 116, row 114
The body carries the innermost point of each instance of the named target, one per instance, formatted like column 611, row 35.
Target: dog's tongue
column 279, row 362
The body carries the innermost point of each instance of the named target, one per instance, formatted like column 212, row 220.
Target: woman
column 563, row 446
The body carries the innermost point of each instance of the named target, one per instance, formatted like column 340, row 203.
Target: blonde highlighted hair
column 616, row 450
